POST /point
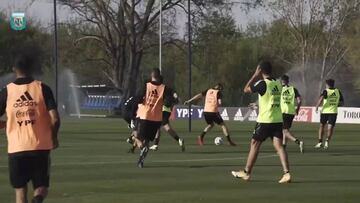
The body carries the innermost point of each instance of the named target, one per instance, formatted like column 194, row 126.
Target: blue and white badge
column 18, row 21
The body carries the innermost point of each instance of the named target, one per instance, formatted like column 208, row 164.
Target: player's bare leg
column 206, row 130
column 321, row 136
column 330, row 132
column 174, row 135
column 40, row 194
column 143, row 153
column 252, row 156
column 21, row 195
column 288, row 135
column 277, row 143
column 227, row 134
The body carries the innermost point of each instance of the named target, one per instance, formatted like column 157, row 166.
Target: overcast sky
column 42, row 10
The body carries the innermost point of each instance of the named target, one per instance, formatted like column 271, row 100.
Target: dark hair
column 24, row 63
column 285, row 78
column 219, row 86
column 330, row 82
column 156, row 74
column 266, row 67
column 161, row 79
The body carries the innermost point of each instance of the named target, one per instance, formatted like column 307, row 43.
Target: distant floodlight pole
column 189, row 58
column 160, row 37
column 56, row 53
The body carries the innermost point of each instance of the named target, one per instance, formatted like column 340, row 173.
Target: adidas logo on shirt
column 275, row 91
column 25, row 100
column 333, row 94
column 287, row 92
column 154, row 92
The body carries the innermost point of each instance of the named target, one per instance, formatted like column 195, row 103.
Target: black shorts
column 147, row 129
column 264, row 130
column 29, row 166
column 213, row 117
column 287, row 120
column 166, row 118
column 328, row 119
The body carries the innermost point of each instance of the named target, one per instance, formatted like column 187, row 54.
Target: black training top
column 46, row 91
column 260, row 87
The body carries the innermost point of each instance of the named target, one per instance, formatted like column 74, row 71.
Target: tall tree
column 316, row 27
column 122, row 33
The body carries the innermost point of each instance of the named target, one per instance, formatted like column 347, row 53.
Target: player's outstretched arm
column 299, row 102
column 319, row 103
column 247, row 88
column 195, row 98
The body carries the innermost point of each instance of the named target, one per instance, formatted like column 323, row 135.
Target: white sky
column 42, row 11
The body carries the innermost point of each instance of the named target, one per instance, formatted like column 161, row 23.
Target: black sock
column 156, row 141
column 297, row 141
column 228, row 138
column 320, row 140
column 203, row 135
column 37, row 199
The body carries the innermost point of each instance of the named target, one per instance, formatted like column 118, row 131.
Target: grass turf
column 93, row 166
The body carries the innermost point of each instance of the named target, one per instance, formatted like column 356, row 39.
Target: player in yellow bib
column 288, row 96
column 331, row 99
column 269, row 122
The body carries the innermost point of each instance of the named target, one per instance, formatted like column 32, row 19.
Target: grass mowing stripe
column 153, row 161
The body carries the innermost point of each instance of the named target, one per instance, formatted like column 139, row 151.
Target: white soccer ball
column 218, row 141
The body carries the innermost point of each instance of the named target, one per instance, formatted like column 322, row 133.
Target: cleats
column 182, row 144
column 318, row 145
column 241, row 174
column 326, row 145
column 154, row 147
column 285, row 179
column 130, row 140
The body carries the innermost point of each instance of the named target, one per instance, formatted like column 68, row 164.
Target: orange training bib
column 28, row 121
column 154, row 100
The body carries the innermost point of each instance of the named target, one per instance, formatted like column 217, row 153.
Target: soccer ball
column 218, row 141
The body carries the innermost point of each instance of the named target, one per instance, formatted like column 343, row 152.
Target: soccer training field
column 93, row 166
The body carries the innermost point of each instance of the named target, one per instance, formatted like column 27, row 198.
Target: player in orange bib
column 211, row 112
column 150, row 112
column 31, row 128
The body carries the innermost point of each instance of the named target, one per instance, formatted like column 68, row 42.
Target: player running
column 331, row 99
column 288, row 96
column 129, row 109
column 150, row 112
column 32, row 126
column 169, row 103
column 211, row 112
column 269, row 122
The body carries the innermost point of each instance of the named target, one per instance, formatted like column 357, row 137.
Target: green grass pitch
column 93, row 166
